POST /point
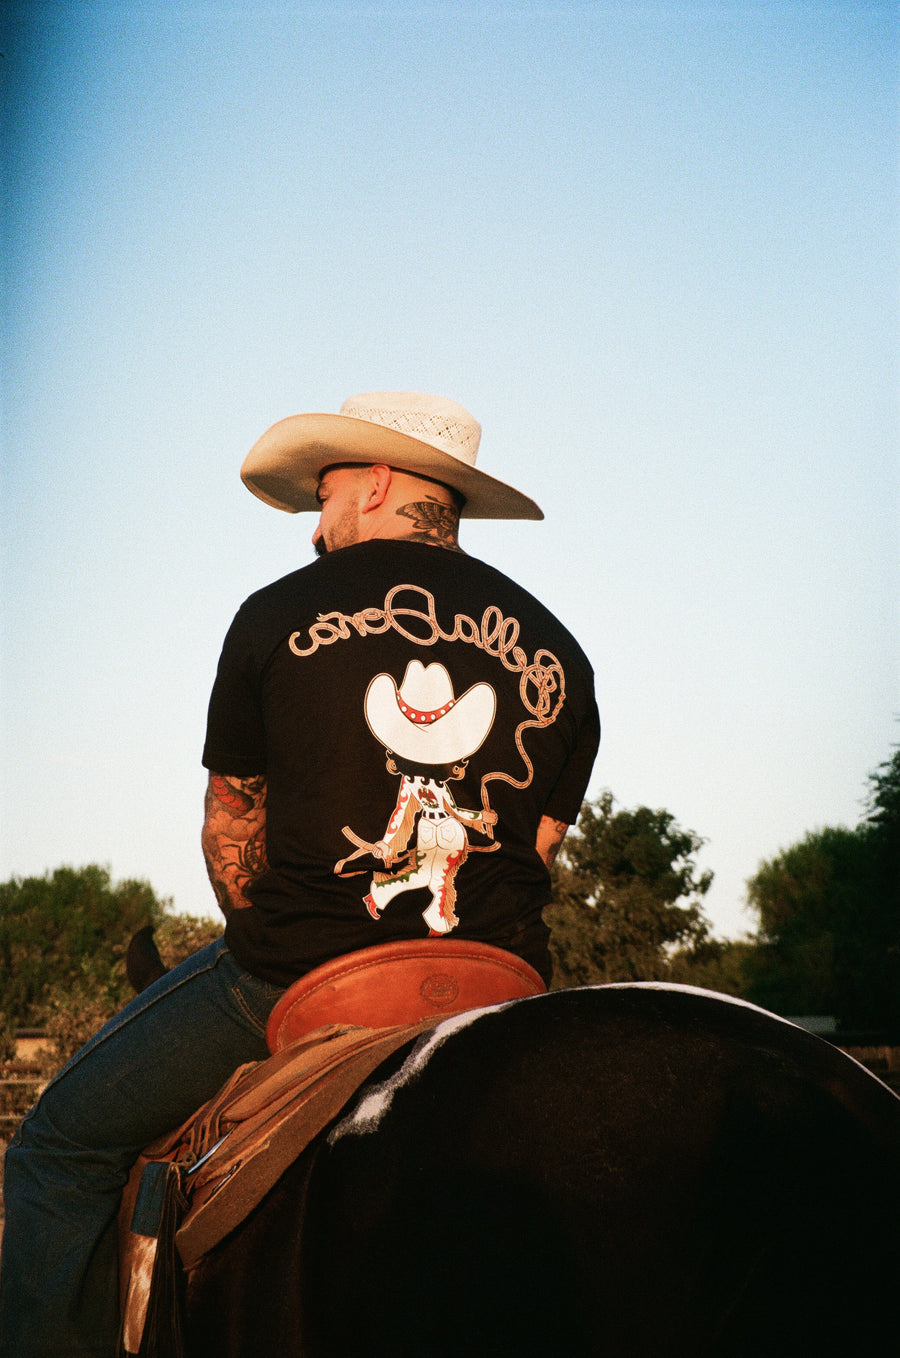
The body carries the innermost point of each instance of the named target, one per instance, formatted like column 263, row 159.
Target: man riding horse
column 394, row 654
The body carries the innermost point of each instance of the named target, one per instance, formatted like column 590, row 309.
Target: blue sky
column 652, row 247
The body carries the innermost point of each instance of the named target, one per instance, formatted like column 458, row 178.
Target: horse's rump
column 626, row 1170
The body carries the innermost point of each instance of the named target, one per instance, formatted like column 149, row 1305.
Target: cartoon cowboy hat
column 425, row 435
column 422, row 721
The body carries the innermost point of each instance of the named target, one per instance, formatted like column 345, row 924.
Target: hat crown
column 426, row 689
column 435, row 420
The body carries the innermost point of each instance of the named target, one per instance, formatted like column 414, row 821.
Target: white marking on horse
column 372, row 1108
column 375, row 1104
column 691, row 990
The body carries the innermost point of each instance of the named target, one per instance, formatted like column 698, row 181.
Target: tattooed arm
column 550, row 836
column 234, row 837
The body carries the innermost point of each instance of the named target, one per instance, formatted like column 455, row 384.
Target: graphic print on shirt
column 424, row 805
column 423, row 726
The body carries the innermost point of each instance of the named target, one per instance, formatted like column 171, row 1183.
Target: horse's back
column 622, row 1170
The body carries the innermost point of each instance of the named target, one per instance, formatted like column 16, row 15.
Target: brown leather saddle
column 327, row 1034
column 400, row 983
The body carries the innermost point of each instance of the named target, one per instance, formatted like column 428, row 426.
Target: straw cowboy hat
column 422, row 721
column 425, row 435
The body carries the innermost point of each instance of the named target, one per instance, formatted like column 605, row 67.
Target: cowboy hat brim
column 283, row 467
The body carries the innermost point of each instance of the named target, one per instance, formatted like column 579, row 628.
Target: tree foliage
column 63, row 939
column 67, row 931
column 716, row 964
column 829, row 918
column 883, row 803
column 626, row 896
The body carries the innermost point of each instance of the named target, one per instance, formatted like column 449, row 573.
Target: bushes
column 63, row 939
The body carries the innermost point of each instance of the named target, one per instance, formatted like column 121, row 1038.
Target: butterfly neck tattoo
column 432, row 522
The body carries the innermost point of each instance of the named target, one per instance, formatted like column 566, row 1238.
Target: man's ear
column 376, row 487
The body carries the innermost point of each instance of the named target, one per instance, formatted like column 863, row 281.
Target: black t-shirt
column 415, row 714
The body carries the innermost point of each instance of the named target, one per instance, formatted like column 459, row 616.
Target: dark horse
column 639, row 1170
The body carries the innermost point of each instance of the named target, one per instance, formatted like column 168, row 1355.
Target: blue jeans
column 142, row 1075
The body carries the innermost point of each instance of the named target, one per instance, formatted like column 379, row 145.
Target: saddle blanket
column 193, row 1186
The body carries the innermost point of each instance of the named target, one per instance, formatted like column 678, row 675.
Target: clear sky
column 653, row 247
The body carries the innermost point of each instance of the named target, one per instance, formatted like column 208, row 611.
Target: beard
column 344, row 532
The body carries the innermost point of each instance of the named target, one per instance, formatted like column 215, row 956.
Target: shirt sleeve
column 235, row 731
column 565, row 801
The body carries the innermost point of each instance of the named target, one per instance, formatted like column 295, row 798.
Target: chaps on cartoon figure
column 421, row 724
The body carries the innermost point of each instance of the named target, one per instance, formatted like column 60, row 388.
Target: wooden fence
column 20, row 1084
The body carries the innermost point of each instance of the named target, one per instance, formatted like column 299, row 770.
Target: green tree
column 716, row 964
column 883, row 822
column 626, row 896
column 805, row 898
column 829, row 918
column 883, row 807
column 63, row 939
column 65, row 931
column 180, row 935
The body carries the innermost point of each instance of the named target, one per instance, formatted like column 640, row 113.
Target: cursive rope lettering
column 411, row 611
column 542, row 682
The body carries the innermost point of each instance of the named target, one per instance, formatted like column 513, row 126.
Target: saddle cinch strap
column 327, row 1033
